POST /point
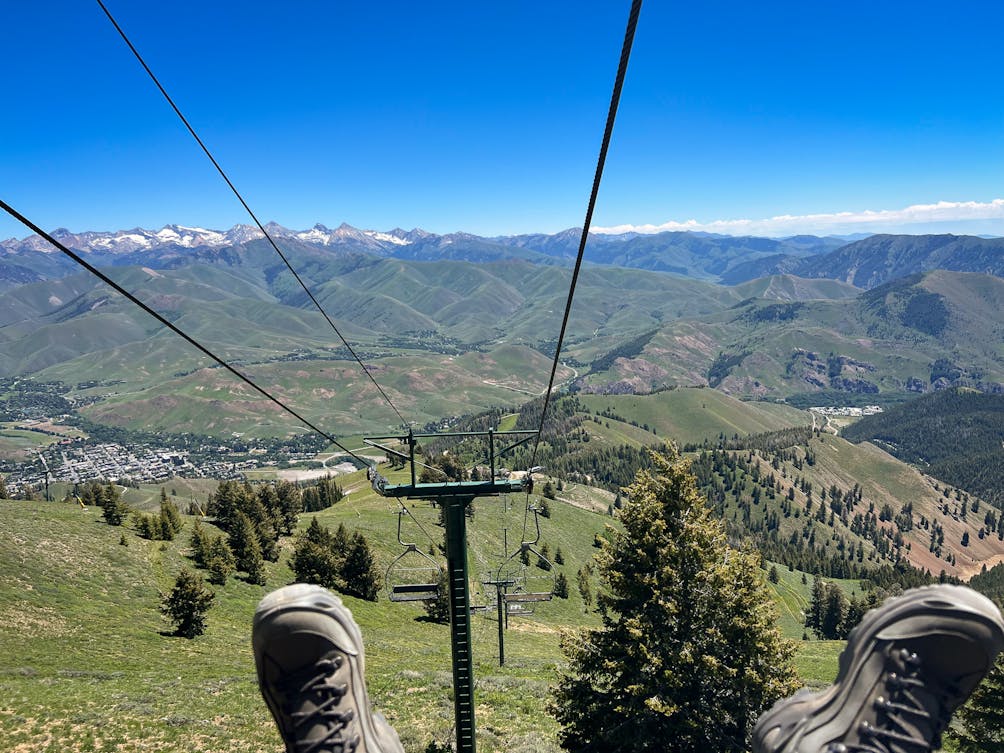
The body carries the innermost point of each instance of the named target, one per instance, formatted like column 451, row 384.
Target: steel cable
column 188, row 338
column 248, row 209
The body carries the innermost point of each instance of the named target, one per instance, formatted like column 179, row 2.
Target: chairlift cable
column 611, row 117
column 254, row 217
column 629, row 33
column 188, row 338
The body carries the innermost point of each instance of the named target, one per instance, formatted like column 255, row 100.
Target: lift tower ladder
column 455, row 497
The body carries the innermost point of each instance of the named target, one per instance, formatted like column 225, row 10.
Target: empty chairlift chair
column 412, row 582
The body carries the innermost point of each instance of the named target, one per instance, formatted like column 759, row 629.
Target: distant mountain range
column 729, row 260
column 460, row 320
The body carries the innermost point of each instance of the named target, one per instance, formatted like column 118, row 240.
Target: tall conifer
column 689, row 653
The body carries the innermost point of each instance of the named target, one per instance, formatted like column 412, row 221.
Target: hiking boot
column 906, row 668
column 309, row 654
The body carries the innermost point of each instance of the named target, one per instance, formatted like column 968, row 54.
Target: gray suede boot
column 906, row 668
column 311, row 670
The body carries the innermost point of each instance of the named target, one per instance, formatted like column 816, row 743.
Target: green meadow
column 87, row 664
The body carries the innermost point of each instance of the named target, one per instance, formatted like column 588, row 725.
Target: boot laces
column 316, row 685
column 909, row 698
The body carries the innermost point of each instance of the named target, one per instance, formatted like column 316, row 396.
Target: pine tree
column 559, row 558
column 187, row 604
column 585, row 590
column 561, row 586
column 817, row 603
column 254, row 564
column 219, row 561
column 163, row 529
column 145, row 526
column 856, row 609
column 200, row 543
column 689, row 653
column 835, row 612
column 171, row 519
column 169, row 512
column 313, row 560
column 290, row 506
column 265, row 529
column 339, row 543
column 244, row 543
column 544, row 558
column 3, row 489
column 359, row 571
column 980, row 727
column 113, row 509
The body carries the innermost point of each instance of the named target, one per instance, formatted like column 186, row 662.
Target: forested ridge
column 759, row 484
column 955, row 435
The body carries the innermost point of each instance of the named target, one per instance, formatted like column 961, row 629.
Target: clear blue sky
column 487, row 116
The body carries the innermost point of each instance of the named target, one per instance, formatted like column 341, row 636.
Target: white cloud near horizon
column 942, row 213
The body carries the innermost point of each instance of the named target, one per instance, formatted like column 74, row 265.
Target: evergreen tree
column 548, row 493
column 313, row 560
column 244, row 543
column 171, row 519
column 268, row 497
column 543, row 559
column 359, row 571
column 265, row 529
column 585, row 590
column 559, row 558
column 290, row 506
column 254, row 564
column 980, row 727
column 856, row 609
column 145, row 526
column 817, row 603
column 834, row 613
column 340, row 542
column 438, row 609
column 689, row 653
column 219, row 561
column 828, row 610
column 169, row 512
column 561, row 586
column 187, row 604
column 200, row 543
column 3, row 489
column 113, row 509
column 162, row 528
column 326, row 493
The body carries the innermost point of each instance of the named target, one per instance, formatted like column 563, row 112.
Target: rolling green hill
column 451, row 337
column 88, row 665
column 883, row 341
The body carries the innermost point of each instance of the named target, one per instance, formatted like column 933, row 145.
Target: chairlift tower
column 455, row 497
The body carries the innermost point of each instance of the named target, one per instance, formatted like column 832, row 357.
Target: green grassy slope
column 693, row 415
column 84, row 664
